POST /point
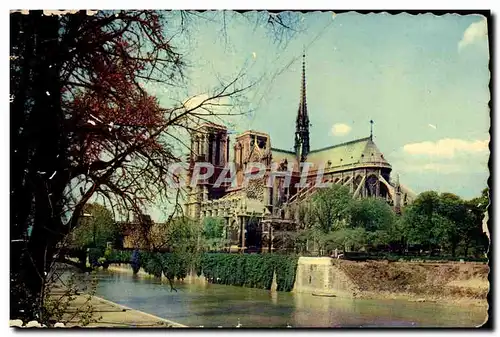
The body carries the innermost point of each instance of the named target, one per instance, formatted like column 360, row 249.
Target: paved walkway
column 107, row 314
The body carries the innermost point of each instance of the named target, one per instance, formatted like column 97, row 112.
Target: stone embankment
column 419, row 282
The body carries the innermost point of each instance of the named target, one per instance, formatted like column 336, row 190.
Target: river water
column 211, row 305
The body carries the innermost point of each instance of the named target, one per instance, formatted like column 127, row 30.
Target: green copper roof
column 279, row 154
column 357, row 151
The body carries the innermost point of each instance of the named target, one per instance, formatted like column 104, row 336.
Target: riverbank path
column 107, row 314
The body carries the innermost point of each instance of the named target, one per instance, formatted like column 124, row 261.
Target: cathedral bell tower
column 301, row 146
column 209, row 144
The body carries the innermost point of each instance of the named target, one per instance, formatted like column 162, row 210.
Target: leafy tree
column 419, row 227
column 371, row 214
column 397, row 233
column 426, row 230
column 454, row 209
column 213, row 232
column 300, row 243
column 96, row 227
column 213, row 227
column 329, row 208
column 436, row 220
column 302, row 213
column 182, row 235
column 347, row 239
column 380, row 238
column 474, row 234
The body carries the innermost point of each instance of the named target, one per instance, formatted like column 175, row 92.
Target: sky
column 423, row 80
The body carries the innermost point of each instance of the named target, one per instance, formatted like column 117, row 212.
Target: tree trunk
column 43, row 125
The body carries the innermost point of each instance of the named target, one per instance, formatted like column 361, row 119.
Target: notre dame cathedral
column 256, row 213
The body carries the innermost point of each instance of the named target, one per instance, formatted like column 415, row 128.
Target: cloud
column 447, row 147
column 443, row 157
column 432, row 126
column 475, row 32
column 442, row 167
column 340, row 129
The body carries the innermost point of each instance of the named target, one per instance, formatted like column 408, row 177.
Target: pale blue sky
column 423, row 79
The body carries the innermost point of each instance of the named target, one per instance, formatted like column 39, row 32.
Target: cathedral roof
column 278, row 155
column 359, row 151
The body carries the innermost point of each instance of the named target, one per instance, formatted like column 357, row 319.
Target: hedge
column 250, row 270
column 119, row 256
column 246, row 270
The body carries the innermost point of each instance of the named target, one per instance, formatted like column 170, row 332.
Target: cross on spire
column 371, row 129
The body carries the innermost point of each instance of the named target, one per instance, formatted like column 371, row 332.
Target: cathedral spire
column 302, row 114
column 302, row 121
column 303, row 101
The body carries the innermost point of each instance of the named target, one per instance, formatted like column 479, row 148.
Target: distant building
column 136, row 234
column 256, row 212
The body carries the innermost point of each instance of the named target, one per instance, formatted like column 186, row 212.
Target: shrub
column 154, row 264
column 250, row 270
column 94, row 255
column 175, row 266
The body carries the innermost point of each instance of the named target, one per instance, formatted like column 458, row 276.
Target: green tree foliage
column 213, row 227
column 120, row 256
column 347, row 239
column 332, row 219
column 455, row 210
column 96, row 227
column 342, row 222
column 446, row 221
column 153, row 264
column 381, row 237
column 376, row 218
column 213, row 232
column 371, row 214
column 303, row 215
column 182, row 240
column 424, row 224
column 329, row 208
column 182, row 235
column 474, row 234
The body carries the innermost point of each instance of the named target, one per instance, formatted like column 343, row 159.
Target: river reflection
column 209, row 305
